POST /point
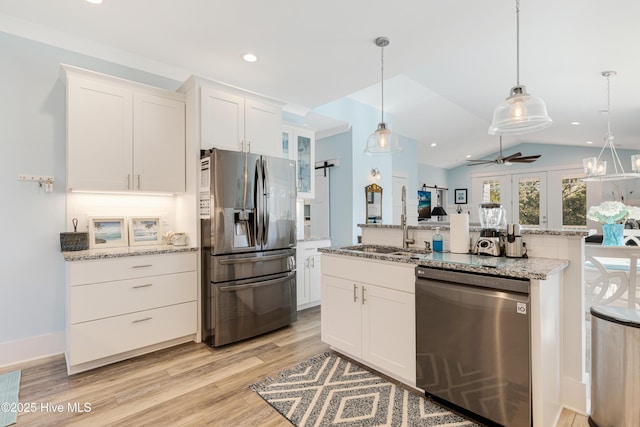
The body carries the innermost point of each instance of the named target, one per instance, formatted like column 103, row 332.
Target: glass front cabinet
column 299, row 144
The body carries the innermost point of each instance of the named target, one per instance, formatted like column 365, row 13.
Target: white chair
column 610, row 274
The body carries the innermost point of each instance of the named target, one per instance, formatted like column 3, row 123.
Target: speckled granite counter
column 313, row 239
column 445, row 226
column 526, row 268
column 125, row 252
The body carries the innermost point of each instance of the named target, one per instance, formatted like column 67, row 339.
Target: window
column 574, row 202
column 491, row 191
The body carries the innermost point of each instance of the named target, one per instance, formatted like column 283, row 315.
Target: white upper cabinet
column 123, row 136
column 222, row 120
column 300, row 145
column 159, row 151
column 232, row 119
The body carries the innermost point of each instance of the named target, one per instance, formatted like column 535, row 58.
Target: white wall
column 33, row 142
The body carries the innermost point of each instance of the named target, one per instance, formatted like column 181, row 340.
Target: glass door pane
column 574, row 202
column 530, row 199
column 304, row 164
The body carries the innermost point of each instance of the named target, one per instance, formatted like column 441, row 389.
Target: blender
column 492, row 216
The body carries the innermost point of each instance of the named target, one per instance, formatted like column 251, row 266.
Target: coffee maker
column 492, row 216
column 514, row 246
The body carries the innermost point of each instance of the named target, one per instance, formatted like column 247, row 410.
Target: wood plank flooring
column 187, row 385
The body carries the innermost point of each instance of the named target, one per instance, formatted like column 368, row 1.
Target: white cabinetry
column 123, row 136
column 299, row 144
column 308, row 273
column 231, row 119
column 122, row 307
column 368, row 313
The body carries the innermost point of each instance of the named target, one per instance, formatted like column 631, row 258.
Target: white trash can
column 615, row 367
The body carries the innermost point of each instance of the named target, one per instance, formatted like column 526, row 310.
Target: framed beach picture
column 460, row 196
column 107, row 232
column 424, row 205
column 145, row 231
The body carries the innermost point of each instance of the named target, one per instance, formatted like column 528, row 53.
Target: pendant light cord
column 382, row 81
column 517, row 42
column 609, row 107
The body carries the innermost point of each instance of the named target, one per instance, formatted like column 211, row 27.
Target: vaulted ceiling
column 447, row 67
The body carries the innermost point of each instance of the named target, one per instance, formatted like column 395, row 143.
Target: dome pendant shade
column 382, row 141
column 520, row 113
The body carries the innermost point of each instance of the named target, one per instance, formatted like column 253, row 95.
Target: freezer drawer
column 248, row 308
column 225, row 268
column 473, row 349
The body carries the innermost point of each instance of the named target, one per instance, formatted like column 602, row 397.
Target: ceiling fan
column 502, row 160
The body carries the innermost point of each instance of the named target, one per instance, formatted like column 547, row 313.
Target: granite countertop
column 125, row 252
column 525, row 268
column 477, row 228
column 313, row 239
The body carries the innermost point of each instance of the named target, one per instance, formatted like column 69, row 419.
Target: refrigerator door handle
column 256, row 259
column 258, row 202
column 265, row 212
column 234, row 288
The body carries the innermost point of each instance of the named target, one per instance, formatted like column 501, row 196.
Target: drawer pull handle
column 142, row 266
column 142, row 320
column 143, row 286
column 355, row 293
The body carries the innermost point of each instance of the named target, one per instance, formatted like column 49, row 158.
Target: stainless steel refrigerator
column 248, row 219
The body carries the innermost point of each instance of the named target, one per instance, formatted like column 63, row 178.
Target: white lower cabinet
column 308, row 272
column 368, row 313
column 122, row 307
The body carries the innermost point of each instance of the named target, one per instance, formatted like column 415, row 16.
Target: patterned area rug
column 9, row 387
column 328, row 390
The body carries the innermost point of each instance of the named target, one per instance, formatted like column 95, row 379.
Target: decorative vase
column 612, row 234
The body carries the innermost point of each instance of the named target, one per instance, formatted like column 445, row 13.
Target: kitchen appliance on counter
column 492, row 216
column 514, row 246
column 248, row 224
column 473, row 343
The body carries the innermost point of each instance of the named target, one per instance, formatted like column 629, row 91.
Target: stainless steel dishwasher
column 473, row 343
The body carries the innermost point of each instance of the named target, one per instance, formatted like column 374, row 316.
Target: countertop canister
column 459, row 233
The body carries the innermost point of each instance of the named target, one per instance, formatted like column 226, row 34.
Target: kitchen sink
column 388, row 250
column 374, row 249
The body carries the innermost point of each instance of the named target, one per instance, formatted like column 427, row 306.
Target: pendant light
column 520, row 112
column 596, row 169
column 382, row 141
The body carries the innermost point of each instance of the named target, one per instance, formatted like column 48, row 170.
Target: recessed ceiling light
column 589, row 142
column 468, row 156
column 249, row 57
column 433, row 144
column 94, row 1
column 576, row 123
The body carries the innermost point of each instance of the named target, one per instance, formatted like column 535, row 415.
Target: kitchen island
column 563, row 244
column 368, row 312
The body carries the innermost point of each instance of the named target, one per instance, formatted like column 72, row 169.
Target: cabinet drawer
column 100, row 300
column 388, row 274
column 107, row 337
column 107, row 270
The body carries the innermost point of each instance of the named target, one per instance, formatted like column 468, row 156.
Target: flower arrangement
column 611, row 212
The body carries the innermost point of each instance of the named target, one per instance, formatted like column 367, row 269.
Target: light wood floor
column 187, row 385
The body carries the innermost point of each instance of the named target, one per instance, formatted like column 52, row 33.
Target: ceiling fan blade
column 526, row 159
column 510, row 157
column 479, row 162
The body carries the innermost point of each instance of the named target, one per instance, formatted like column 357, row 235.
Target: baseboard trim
column 575, row 395
column 25, row 350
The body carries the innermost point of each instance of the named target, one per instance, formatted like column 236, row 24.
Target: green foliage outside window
column 574, row 202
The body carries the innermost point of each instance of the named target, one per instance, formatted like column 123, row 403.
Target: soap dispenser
column 437, row 241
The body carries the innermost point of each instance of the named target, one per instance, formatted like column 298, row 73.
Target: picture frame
column 145, row 230
column 108, row 232
column 460, row 196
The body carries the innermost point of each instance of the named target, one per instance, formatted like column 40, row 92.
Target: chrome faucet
column 406, row 241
